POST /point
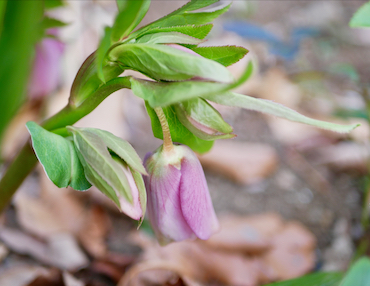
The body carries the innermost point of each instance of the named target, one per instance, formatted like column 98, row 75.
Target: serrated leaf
column 201, row 119
column 96, row 154
column 160, row 94
column 179, row 132
column 315, row 279
column 121, row 147
column 358, row 274
column 102, row 50
column 162, row 62
column 169, row 38
column 276, row 109
column 362, row 17
column 196, row 31
column 225, row 55
column 129, row 16
column 58, row 158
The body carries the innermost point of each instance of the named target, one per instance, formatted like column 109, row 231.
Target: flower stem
column 167, row 140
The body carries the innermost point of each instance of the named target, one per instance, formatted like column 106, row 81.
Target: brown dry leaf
column 22, row 275
column 60, row 250
column 70, row 280
column 246, row 234
column 93, row 233
column 243, row 162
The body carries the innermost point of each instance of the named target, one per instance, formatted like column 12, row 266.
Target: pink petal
column 196, row 203
column 164, row 204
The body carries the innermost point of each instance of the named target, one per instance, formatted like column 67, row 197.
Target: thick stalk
column 167, row 140
column 26, row 160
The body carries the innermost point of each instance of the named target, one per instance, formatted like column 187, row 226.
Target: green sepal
column 105, row 44
column 201, row 119
column 58, row 158
column 96, row 155
column 362, row 17
column 179, row 132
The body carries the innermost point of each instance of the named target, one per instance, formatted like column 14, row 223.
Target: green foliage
column 51, row 4
column 315, row 279
column 102, row 50
column 19, row 34
column 94, row 152
column 276, row 109
column 130, row 15
column 195, row 31
column 167, row 63
column 362, row 17
column 179, row 132
column 358, row 274
column 225, row 55
column 58, row 157
column 168, row 38
column 202, row 119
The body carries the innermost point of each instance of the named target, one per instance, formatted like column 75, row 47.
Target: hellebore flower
column 179, row 204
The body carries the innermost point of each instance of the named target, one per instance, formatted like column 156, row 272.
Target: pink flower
column 45, row 75
column 179, row 204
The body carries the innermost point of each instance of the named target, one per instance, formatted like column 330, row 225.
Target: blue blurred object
column 287, row 50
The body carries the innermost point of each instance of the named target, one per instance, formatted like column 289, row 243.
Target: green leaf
column 201, row 119
column 121, row 147
column 20, row 31
column 362, row 17
column 95, row 153
column 162, row 62
column 315, row 279
column 169, row 38
column 183, row 17
column 160, row 94
column 129, row 16
column 138, row 178
column 179, row 132
column 225, row 55
column 58, row 157
column 48, row 23
column 276, row 109
column 358, row 274
column 102, row 50
column 196, row 31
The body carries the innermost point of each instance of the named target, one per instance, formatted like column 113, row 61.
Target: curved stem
column 26, row 160
column 167, row 140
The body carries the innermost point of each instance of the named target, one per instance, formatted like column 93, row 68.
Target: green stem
column 167, row 140
column 26, row 160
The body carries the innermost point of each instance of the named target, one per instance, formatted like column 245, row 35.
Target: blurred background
column 291, row 198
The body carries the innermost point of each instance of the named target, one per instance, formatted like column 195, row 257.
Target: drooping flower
column 179, row 204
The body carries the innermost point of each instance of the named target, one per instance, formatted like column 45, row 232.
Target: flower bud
column 179, row 204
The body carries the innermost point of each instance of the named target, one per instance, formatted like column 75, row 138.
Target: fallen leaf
column 3, row 252
column 22, row 275
column 70, row 280
column 243, row 162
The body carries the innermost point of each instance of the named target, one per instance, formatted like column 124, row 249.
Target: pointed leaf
column 142, row 192
column 276, row 109
column 169, row 38
column 130, row 15
column 167, row 63
column 121, row 147
column 160, row 94
column 58, row 158
column 179, row 132
column 225, row 55
column 196, row 31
